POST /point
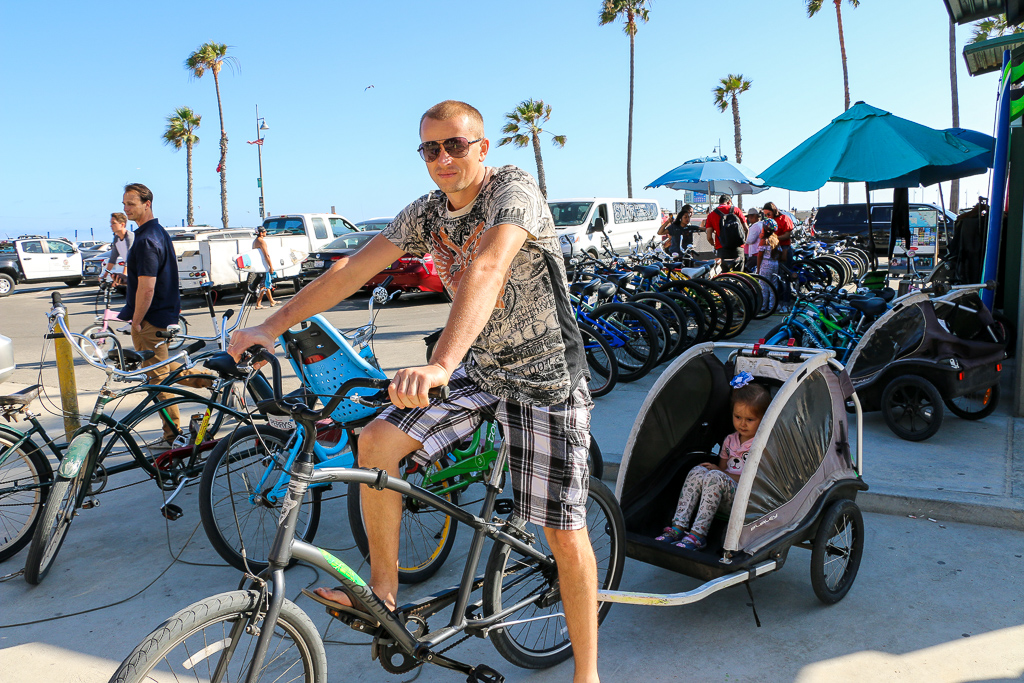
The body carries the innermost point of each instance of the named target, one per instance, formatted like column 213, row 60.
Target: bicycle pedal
column 171, row 512
column 484, row 674
column 90, row 504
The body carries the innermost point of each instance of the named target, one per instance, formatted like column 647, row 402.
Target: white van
column 576, row 222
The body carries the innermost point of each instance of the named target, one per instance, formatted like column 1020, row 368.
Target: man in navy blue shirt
column 153, row 302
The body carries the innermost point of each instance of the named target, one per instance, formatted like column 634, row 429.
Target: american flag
column 255, row 142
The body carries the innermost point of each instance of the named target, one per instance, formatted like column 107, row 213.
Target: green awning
column 987, row 56
column 966, row 11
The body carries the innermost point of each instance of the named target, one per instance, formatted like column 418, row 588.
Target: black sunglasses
column 455, row 147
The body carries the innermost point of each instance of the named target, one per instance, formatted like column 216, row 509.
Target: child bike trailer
column 923, row 354
column 798, row 486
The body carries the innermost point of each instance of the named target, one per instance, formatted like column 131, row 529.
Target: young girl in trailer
column 714, row 485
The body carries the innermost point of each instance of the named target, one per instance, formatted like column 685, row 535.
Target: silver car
column 6, row 358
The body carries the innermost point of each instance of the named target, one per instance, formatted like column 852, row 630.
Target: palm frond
column 558, row 140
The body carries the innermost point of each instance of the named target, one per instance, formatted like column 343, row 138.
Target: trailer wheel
column 838, row 547
column 912, row 408
column 975, row 405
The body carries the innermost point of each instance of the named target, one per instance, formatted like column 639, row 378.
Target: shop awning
column 987, row 56
column 966, row 11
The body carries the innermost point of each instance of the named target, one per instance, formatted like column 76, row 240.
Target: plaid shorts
column 548, row 445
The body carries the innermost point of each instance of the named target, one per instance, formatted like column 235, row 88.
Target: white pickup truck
column 32, row 259
column 209, row 255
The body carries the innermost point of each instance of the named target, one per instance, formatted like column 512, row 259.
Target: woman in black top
column 675, row 230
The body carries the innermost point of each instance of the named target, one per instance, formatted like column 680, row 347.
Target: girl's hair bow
column 741, row 380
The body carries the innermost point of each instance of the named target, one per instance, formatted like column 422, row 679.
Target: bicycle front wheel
column 240, row 496
column 53, row 527
column 604, row 369
column 24, row 477
column 208, row 640
column 542, row 640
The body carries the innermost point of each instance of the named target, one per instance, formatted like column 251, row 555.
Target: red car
column 409, row 273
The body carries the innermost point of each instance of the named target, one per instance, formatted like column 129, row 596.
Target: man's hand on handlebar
column 247, row 337
column 409, row 387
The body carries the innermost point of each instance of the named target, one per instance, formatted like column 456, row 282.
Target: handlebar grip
column 387, row 281
column 990, row 284
column 195, row 347
column 160, row 334
column 228, row 313
column 55, row 298
column 260, row 353
column 440, row 392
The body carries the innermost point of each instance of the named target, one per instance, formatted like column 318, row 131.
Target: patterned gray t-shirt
column 530, row 350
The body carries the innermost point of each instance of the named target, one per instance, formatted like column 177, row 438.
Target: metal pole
column 68, row 388
column 259, row 156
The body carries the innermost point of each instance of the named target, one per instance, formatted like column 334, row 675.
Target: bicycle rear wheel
column 208, row 640
column 234, row 504
column 511, row 578
column 632, row 336
column 24, row 478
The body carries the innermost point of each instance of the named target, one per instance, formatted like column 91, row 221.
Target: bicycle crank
column 393, row 658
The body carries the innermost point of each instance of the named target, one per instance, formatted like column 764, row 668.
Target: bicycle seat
column 647, row 271
column 21, row 398
column 585, row 288
column 887, row 294
column 875, row 306
column 607, row 289
column 131, row 356
column 695, row 272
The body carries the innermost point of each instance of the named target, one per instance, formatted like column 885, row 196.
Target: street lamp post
column 261, row 125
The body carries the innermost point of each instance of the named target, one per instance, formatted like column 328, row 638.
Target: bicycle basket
column 328, row 361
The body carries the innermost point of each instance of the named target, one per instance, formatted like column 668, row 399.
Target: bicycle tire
column 755, row 297
column 696, row 326
column 49, row 535
column 674, row 316
column 231, row 517
column 506, row 574
column 769, row 296
column 20, row 510
column 706, row 301
column 179, row 339
column 725, row 307
column 661, row 328
column 634, row 341
column 742, row 306
column 103, row 345
column 225, row 616
column 427, row 535
column 604, row 370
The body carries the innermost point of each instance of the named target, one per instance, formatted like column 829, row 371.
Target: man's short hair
column 145, row 194
column 119, row 217
column 450, row 109
column 725, row 199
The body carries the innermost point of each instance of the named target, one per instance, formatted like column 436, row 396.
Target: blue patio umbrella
column 866, row 144
column 714, row 175
column 929, row 175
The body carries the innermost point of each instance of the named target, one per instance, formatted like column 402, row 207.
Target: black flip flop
column 335, row 609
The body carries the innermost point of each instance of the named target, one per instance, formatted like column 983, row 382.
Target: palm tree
column 630, row 11
column 181, row 130
column 728, row 94
column 993, row 28
column 813, row 6
column 523, row 127
column 954, row 186
column 212, row 57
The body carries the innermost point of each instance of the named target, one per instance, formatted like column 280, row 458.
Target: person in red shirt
column 785, row 223
column 731, row 259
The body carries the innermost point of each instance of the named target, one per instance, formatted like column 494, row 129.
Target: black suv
column 836, row 221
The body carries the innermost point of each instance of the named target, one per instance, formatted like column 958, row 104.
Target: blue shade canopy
column 715, row 175
column 866, row 144
column 929, row 175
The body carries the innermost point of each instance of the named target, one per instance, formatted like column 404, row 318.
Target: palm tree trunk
column 540, row 165
column 846, row 81
column 737, row 138
column 629, row 143
column 223, row 157
column 189, row 218
column 954, row 189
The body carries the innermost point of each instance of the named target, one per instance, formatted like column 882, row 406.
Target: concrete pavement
column 934, row 600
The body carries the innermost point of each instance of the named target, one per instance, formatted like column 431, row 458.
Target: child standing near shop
column 768, row 256
column 713, row 485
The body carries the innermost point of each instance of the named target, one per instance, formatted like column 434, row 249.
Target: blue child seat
column 328, row 361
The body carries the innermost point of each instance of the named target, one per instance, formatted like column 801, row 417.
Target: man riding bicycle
column 493, row 239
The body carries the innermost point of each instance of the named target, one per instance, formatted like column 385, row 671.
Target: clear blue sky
column 87, row 86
